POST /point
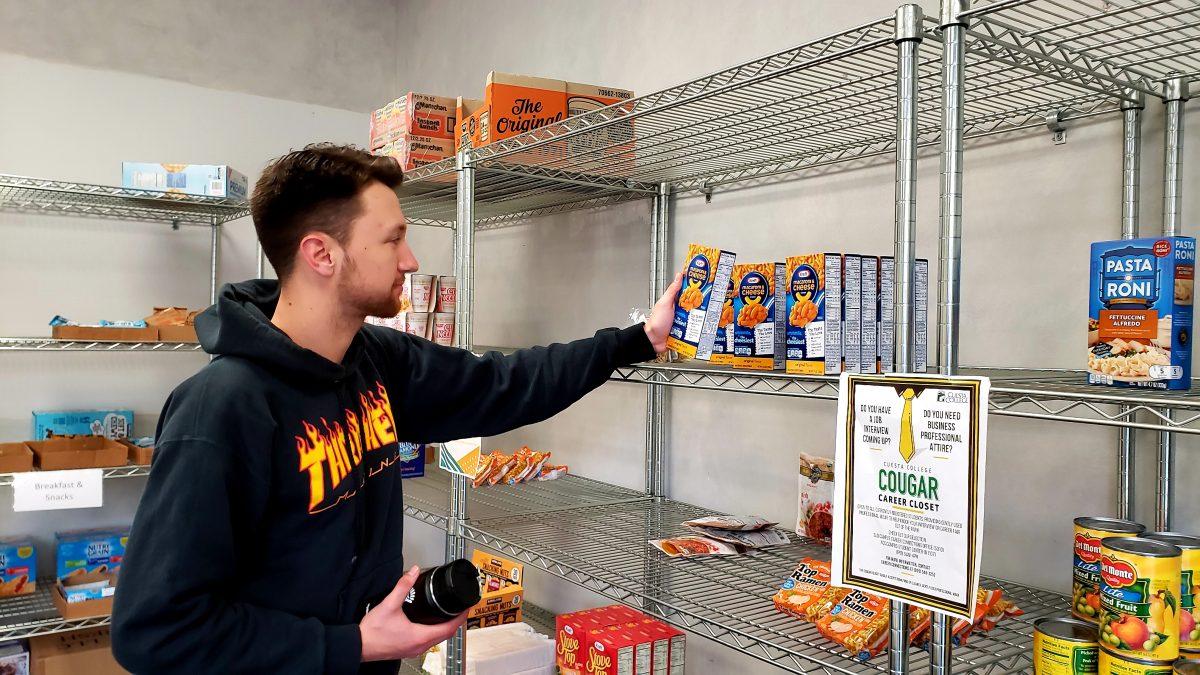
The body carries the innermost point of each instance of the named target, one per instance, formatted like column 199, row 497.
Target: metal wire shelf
column 33, row 344
column 127, row 471
column 539, row 619
column 37, row 195
column 32, row 615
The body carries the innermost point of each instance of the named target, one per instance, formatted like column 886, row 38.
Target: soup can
column 1187, row 667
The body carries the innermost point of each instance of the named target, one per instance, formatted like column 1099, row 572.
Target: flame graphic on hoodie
column 330, row 452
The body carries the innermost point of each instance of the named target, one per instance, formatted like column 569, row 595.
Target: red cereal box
column 612, row 651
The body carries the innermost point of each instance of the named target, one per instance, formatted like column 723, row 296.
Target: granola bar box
column 1140, row 312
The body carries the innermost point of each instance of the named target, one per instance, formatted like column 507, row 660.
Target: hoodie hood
column 240, row 325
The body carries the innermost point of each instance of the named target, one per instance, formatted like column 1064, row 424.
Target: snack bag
column 804, row 588
column 815, row 519
column 984, row 600
column 859, row 622
column 742, row 523
column 487, row 466
column 1003, row 609
column 687, row 546
column 551, row 472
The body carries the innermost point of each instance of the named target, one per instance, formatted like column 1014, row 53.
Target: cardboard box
column 887, row 314
column 413, row 114
column 852, row 313
column 18, row 566
column 414, row 151
column 722, row 351
column 500, row 590
column 517, row 104
column 74, row 653
column 611, row 651
column 137, row 454
column 1140, row 313
column 706, row 276
column 14, row 659
column 503, row 571
column 15, row 457
column 759, row 308
column 208, row 180
column 585, row 98
column 107, row 423
column 87, row 563
column 78, row 452
column 921, row 316
column 467, row 112
column 177, row 334
column 814, row 314
column 506, row 599
column 80, row 609
column 870, row 314
column 104, row 334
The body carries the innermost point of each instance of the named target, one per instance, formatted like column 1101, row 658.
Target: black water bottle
column 442, row 593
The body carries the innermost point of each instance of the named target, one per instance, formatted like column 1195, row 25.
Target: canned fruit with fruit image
column 1085, row 575
column 1115, row 664
column 1139, row 598
column 1064, row 646
column 1189, row 588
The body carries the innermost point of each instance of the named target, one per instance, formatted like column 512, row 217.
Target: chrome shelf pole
column 214, row 253
column 656, row 403
column 1131, row 185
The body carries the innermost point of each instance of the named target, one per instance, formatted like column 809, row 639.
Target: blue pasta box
column 88, row 562
column 412, row 460
column 205, row 180
column 1140, row 312
column 111, row 424
column 18, row 566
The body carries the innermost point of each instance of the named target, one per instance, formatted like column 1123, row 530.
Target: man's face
column 377, row 255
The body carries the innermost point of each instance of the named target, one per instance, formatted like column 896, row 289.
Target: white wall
column 1031, row 209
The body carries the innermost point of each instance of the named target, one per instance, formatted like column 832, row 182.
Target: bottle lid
column 456, row 586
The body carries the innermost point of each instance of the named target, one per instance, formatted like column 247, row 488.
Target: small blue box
column 111, row 424
column 206, row 180
column 412, row 460
column 18, row 566
column 1140, row 312
column 91, row 557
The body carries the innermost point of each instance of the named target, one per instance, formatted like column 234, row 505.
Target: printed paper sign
column 461, row 457
column 52, row 490
column 908, row 488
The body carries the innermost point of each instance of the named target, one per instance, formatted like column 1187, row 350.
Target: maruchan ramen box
column 516, row 104
column 814, row 313
column 870, row 314
column 88, row 562
column 468, row 111
column 413, row 114
column 207, row 180
column 852, row 313
column 706, row 275
column 414, row 151
column 722, row 353
column 18, row 566
column 759, row 329
column 1140, row 312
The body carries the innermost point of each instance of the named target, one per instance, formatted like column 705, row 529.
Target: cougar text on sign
column 52, row 490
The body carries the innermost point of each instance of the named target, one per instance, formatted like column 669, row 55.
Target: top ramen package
column 1140, row 312
column 706, row 276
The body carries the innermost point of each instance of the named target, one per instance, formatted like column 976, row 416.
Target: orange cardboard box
column 78, row 452
column 80, row 610
column 15, row 457
column 468, row 112
column 82, row 651
column 516, row 104
column 104, row 333
column 137, row 454
column 416, row 115
column 614, row 138
column 414, row 151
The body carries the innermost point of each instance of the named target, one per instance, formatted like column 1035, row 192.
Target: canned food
column 1085, row 577
column 1139, row 598
column 1189, row 588
column 1115, row 664
column 1187, row 667
column 1064, row 646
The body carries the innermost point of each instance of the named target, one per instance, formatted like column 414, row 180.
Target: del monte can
column 1139, row 598
column 1189, row 589
column 1114, row 664
column 1085, row 576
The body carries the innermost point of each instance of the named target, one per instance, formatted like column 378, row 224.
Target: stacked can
column 1139, row 604
column 443, row 317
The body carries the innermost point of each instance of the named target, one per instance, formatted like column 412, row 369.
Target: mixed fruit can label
column 1189, row 589
column 1085, row 576
column 1139, row 598
column 1115, row 664
column 1064, row 647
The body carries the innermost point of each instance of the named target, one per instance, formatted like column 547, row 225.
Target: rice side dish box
column 759, row 330
column 1140, row 312
column 706, row 275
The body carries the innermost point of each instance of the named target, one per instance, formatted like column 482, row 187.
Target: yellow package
column 706, row 276
column 859, row 623
column 804, row 589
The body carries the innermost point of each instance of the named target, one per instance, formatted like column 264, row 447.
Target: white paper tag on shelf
column 461, row 457
column 53, row 490
column 908, row 488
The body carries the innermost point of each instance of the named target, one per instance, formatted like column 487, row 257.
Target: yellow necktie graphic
column 907, row 447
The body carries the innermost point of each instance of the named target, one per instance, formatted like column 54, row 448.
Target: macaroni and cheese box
column 1140, row 312
column 887, row 314
column 852, row 313
column 208, row 180
column 706, row 276
column 18, row 566
column 722, row 353
column 516, row 104
column 413, row 114
column 870, row 314
column 814, row 314
column 759, row 329
column 111, row 424
column 88, row 562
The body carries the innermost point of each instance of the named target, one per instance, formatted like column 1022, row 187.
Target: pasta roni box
column 1140, row 312
column 814, row 313
column 18, row 567
column 758, row 329
column 706, row 276
column 88, row 562
column 722, row 353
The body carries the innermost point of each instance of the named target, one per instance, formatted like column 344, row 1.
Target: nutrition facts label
column 908, row 488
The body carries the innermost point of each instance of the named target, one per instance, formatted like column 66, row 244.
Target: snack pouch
column 804, row 588
column 859, row 622
column 815, row 510
column 985, row 599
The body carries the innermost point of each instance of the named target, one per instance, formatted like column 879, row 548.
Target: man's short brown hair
column 314, row 189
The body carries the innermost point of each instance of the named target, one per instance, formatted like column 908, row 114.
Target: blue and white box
column 88, row 562
column 412, row 460
column 1140, row 312
column 206, row 180
column 111, row 424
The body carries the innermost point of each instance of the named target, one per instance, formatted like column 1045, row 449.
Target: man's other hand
column 658, row 324
column 388, row 635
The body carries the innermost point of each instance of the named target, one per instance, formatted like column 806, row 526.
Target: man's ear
column 320, row 253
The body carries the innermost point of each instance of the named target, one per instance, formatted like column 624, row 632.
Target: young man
column 269, row 536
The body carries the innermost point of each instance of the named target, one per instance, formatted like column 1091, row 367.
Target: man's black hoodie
column 273, row 514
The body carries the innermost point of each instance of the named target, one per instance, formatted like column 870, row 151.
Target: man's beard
column 363, row 300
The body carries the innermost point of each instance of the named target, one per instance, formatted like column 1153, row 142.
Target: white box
column 887, row 314
column 921, row 316
column 852, row 313
column 833, row 314
column 207, row 180
column 870, row 314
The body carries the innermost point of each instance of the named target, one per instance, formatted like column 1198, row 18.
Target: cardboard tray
column 78, row 452
column 80, row 610
column 81, row 651
column 177, row 334
column 15, row 457
column 98, row 334
column 137, row 454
